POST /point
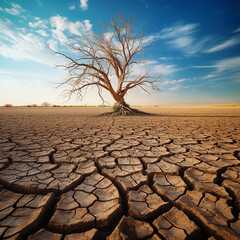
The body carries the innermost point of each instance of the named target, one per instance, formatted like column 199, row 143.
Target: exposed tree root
column 126, row 110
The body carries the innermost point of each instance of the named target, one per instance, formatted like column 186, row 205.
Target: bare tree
column 114, row 52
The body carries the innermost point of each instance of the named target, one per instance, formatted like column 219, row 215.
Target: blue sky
column 196, row 48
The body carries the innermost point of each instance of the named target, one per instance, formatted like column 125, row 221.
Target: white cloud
column 181, row 80
column 151, row 62
column 88, row 25
column 182, row 42
column 150, row 38
column 209, row 76
column 53, row 44
column 16, row 9
column 38, row 24
column 174, row 88
column 165, row 58
column 163, row 69
column 184, row 38
column 19, row 46
column 174, row 81
column 230, row 64
column 231, row 42
column 72, row 7
column 179, row 30
column 226, row 68
column 22, row 29
column 237, row 30
column 42, row 33
column 75, row 28
column 108, row 35
column 63, row 25
column 83, row 4
column 204, row 66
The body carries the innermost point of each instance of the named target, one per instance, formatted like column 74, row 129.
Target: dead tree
column 114, row 52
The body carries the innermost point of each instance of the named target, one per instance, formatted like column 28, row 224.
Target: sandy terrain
column 67, row 173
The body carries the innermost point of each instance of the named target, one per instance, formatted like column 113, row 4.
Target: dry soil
column 68, row 173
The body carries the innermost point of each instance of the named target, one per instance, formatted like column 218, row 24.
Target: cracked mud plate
column 79, row 176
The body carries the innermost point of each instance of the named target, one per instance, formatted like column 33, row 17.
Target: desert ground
column 69, row 173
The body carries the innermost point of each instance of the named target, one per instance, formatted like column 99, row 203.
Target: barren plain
column 68, row 173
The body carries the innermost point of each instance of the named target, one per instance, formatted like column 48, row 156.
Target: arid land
column 68, row 173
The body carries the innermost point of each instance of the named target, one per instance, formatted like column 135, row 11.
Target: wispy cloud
column 183, row 37
column 237, row 30
column 209, row 76
column 42, row 33
column 166, row 58
column 38, row 23
column 163, row 69
column 83, row 4
column 179, row 30
column 226, row 68
column 53, row 44
column 154, row 68
column 174, row 88
column 231, row 42
column 182, row 42
column 204, row 66
column 174, row 81
column 230, row 64
column 21, row 44
column 24, row 46
column 16, row 9
column 181, row 80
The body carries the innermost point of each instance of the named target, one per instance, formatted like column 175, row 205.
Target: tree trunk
column 125, row 109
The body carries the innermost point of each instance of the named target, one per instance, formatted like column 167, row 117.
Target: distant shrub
column 136, row 106
column 116, row 107
column 8, row 105
column 46, row 104
column 34, row 105
column 79, row 106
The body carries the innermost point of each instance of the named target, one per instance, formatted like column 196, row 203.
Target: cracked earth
column 67, row 173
